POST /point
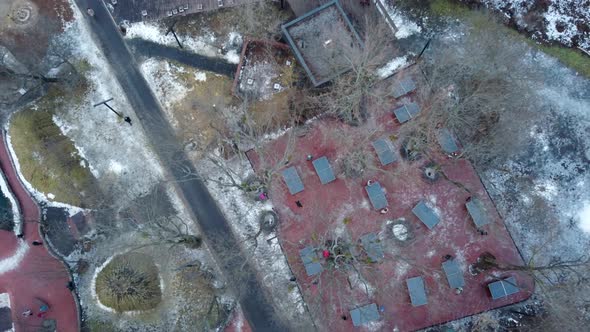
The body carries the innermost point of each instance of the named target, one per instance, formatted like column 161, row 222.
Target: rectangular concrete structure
column 292, row 180
column 310, row 261
column 406, row 112
column 372, row 247
column 403, row 87
column 363, row 315
column 320, row 40
column 503, row 288
column 447, row 141
column 453, row 273
column 376, row 196
column 417, row 291
column 385, row 151
column 425, row 214
column 477, row 212
column 324, row 170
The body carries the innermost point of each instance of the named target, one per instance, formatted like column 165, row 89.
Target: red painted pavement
column 325, row 208
column 39, row 275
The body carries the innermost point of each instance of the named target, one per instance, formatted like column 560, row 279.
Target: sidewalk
column 36, row 274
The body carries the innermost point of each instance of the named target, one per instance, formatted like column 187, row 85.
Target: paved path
column 36, row 273
column 255, row 301
column 154, row 50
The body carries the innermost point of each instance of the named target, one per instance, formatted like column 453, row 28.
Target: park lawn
column 48, row 159
column 570, row 57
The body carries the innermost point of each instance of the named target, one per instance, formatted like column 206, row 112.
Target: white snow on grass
column 10, row 263
column 392, row 66
column 404, row 27
column 117, row 154
column 205, row 45
column 93, row 285
column 243, row 214
column 163, row 79
column 13, row 204
column 564, row 15
column 584, row 217
column 4, row 300
column 200, row 76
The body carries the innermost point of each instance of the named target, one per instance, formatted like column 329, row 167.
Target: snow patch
column 392, row 66
column 584, row 217
column 400, row 232
column 403, row 25
column 10, row 263
column 200, row 76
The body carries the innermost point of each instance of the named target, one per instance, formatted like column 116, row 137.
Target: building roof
column 403, row 87
column 477, row 212
column 363, row 315
column 453, row 273
column 372, row 247
column 426, row 214
column 447, row 141
column 376, row 196
column 320, row 40
column 406, row 112
column 385, row 151
column 292, row 180
column 417, row 291
column 310, row 261
column 148, row 10
column 503, row 288
column 324, row 170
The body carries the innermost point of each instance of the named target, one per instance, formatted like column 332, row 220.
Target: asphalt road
column 242, row 277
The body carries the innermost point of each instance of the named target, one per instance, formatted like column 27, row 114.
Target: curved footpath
column 32, row 273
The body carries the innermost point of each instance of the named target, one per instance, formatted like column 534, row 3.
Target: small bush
column 129, row 282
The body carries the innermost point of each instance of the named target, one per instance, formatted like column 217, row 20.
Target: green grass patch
column 570, row 57
column 449, row 8
column 129, row 282
column 48, row 159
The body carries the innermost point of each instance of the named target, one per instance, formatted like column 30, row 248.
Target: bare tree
column 476, row 87
column 348, row 94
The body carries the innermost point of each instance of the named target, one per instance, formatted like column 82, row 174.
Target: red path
column 39, row 274
column 341, row 207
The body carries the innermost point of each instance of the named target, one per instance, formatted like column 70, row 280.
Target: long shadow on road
column 151, row 50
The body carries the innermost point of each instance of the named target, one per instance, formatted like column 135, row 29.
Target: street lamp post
column 105, row 102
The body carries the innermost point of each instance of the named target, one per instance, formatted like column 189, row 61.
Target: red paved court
column 342, row 209
column 39, row 275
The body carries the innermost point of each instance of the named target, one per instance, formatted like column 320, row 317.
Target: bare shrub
column 129, row 282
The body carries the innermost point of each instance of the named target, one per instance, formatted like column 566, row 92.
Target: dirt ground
column 27, row 26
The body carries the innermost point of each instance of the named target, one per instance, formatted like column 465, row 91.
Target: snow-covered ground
column 117, row 154
column 207, row 45
column 10, row 263
column 563, row 21
column 243, row 214
column 404, row 27
column 552, row 175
